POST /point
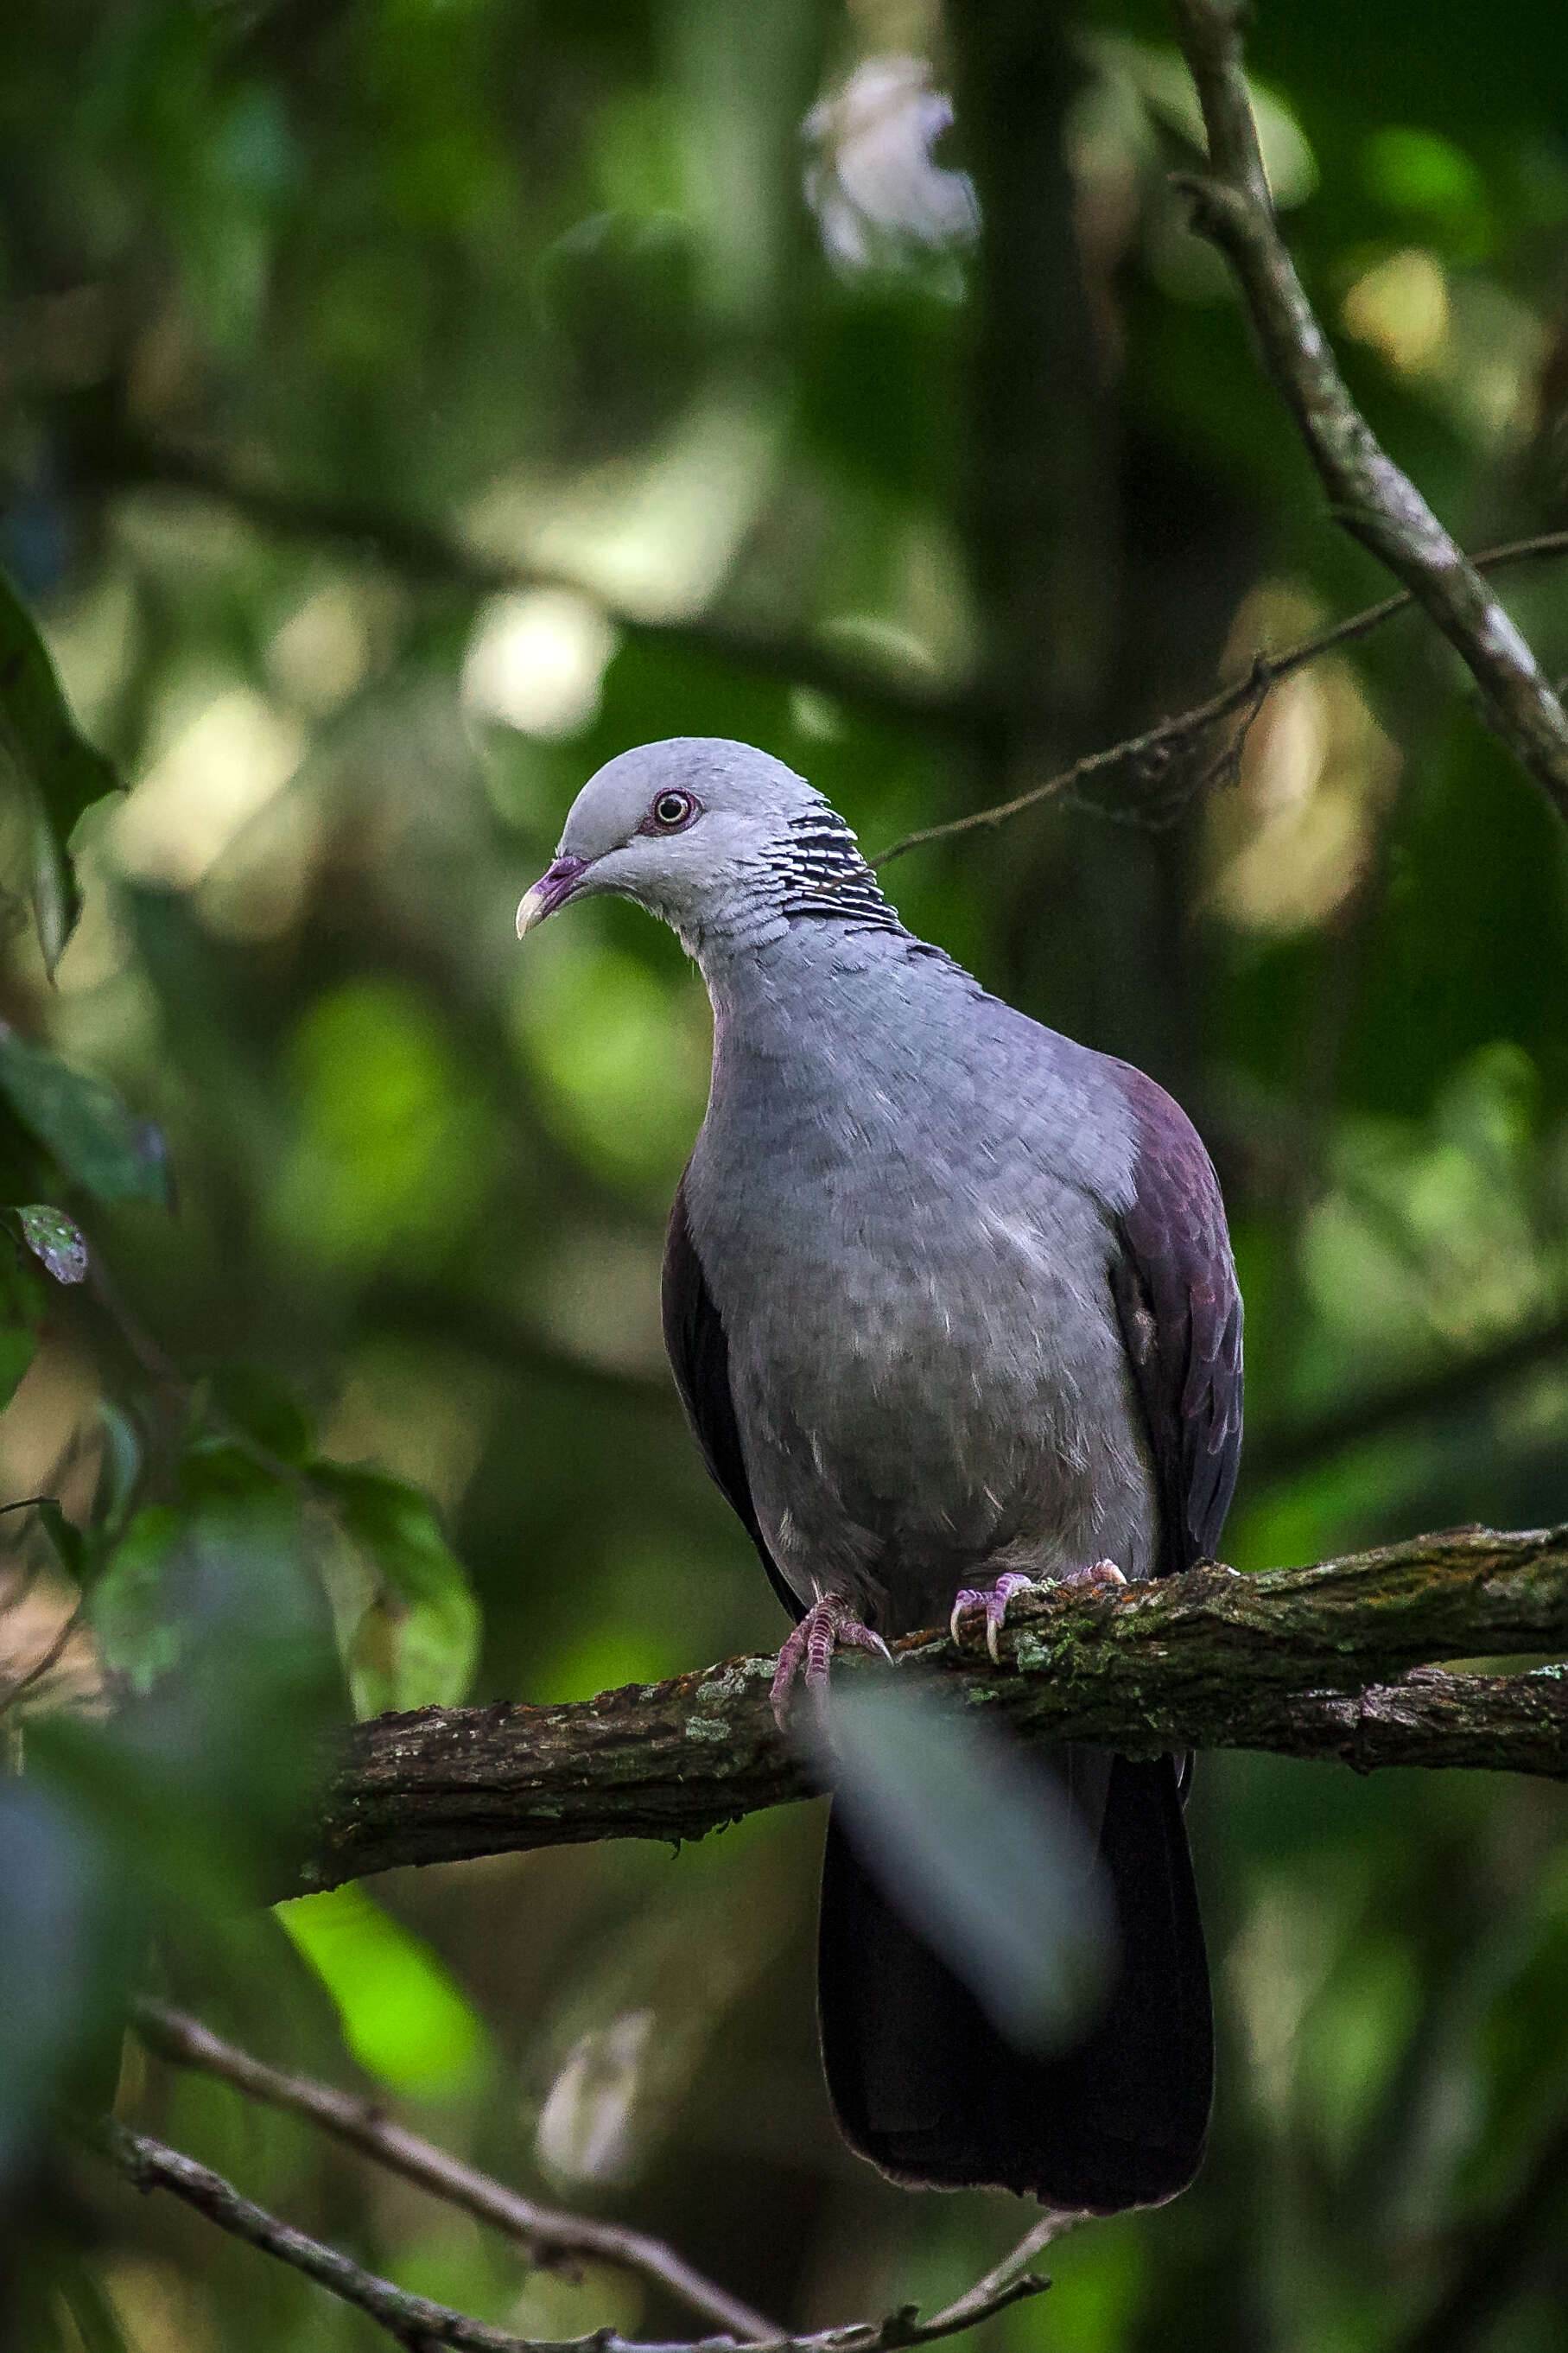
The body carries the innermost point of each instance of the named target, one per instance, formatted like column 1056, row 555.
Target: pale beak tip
column 554, row 888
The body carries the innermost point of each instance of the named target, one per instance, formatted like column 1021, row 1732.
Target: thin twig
column 417, row 2324
column 1159, row 745
column 1377, row 503
column 54, row 1650
column 50, row 1657
column 424, row 552
column 547, row 2233
column 413, row 2320
column 980, row 2297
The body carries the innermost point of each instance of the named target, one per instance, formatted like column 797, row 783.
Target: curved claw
column 994, row 1599
column 828, row 1625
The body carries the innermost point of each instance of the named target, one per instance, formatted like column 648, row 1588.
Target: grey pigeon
column 950, row 1303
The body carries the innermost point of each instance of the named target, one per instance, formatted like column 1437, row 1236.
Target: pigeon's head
column 702, row 832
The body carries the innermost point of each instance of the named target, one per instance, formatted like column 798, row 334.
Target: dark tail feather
column 925, row 2087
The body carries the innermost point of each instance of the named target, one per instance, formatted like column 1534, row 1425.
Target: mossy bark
column 1309, row 1662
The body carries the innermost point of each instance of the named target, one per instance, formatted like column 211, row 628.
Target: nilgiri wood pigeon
column 950, row 1305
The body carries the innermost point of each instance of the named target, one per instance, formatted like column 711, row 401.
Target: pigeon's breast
column 927, row 1378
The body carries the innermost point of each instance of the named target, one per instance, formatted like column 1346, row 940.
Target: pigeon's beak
column 554, row 888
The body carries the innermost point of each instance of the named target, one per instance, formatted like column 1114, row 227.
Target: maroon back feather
column 1180, row 1312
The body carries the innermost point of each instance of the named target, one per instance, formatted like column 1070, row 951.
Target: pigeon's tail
column 925, row 2086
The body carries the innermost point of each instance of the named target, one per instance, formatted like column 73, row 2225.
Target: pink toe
column 825, row 1625
column 966, row 1599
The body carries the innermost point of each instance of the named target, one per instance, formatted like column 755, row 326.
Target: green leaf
column 1415, row 171
column 138, row 1636
column 120, row 1469
column 981, row 1849
column 417, row 1643
column 23, row 1302
column 50, row 763
column 264, row 1408
column 92, row 2310
column 50, row 1235
column 84, row 1123
column 199, row 1786
column 213, row 1468
column 19, row 1346
column 403, row 2018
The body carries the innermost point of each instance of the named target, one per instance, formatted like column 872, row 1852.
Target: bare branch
column 982, row 2296
column 419, row 2324
column 1157, row 749
column 413, row 2320
column 1292, row 1660
column 1300, row 1662
column 548, row 2234
column 1373, row 499
column 47, row 1659
column 425, row 551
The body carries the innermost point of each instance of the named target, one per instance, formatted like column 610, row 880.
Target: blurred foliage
column 404, row 405
column 996, row 1866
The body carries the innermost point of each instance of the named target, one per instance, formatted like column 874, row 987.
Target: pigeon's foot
column 828, row 1625
column 994, row 1600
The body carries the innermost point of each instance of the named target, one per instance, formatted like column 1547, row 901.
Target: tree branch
column 981, row 2297
column 419, row 2324
column 425, row 551
column 413, row 2320
column 1376, row 501
column 551, row 2237
column 1300, row 1662
column 1282, row 1451
column 1153, row 753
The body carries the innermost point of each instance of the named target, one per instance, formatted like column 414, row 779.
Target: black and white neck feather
column 821, row 869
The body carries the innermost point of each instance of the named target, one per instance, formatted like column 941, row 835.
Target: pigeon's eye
column 671, row 810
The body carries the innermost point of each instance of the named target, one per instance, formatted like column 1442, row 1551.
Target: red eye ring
column 670, row 811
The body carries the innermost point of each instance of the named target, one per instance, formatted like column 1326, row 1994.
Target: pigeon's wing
column 699, row 1359
column 1180, row 1312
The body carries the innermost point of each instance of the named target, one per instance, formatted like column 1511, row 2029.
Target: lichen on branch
column 1331, row 1662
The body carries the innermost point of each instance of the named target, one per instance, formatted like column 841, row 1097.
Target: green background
column 316, row 316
